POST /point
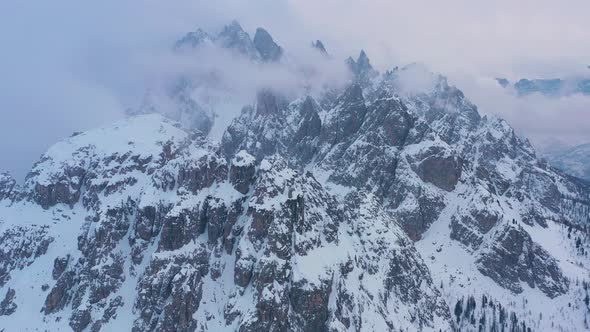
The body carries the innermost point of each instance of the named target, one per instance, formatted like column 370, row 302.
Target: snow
column 454, row 266
column 28, row 282
column 243, row 158
column 141, row 135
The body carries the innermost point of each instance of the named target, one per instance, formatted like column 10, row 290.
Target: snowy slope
column 237, row 241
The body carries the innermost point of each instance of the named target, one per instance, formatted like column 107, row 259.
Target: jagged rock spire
column 363, row 63
column 234, row 37
column 193, row 39
column 266, row 46
column 361, row 68
column 319, row 46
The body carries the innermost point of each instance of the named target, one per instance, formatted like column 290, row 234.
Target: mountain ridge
column 550, row 87
column 382, row 205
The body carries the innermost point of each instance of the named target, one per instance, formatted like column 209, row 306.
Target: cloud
column 69, row 65
column 542, row 119
column 224, row 82
column 463, row 35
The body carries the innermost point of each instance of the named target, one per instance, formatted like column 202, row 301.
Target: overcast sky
column 73, row 65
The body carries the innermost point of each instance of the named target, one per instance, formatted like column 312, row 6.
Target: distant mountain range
column 552, row 87
column 574, row 160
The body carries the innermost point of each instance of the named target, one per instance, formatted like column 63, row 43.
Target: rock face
column 233, row 37
column 443, row 171
column 7, row 306
column 266, row 46
column 242, row 171
column 470, row 225
column 20, row 246
column 192, row 40
column 60, row 190
column 318, row 45
column 361, row 68
column 357, row 212
column 515, row 258
column 276, row 126
column 7, row 186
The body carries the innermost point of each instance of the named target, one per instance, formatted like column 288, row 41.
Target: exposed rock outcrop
column 266, row 46
column 514, row 258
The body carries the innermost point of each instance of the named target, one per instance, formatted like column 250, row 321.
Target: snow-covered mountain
column 382, row 205
column 573, row 160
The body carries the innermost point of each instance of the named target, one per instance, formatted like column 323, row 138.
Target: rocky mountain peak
column 193, row 40
column 235, row 38
column 266, row 46
column 361, row 68
column 319, row 46
column 363, row 59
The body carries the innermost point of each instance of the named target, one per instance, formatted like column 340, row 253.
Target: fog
column 69, row 65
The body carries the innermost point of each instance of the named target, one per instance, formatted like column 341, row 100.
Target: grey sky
column 72, row 65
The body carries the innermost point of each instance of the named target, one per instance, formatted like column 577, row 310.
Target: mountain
column 193, row 39
column 553, row 87
column 381, row 205
column 266, row 46
column 574, row 160
column 319, row 46
column 233, row 37
column 361, row 68
column 195, row 97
